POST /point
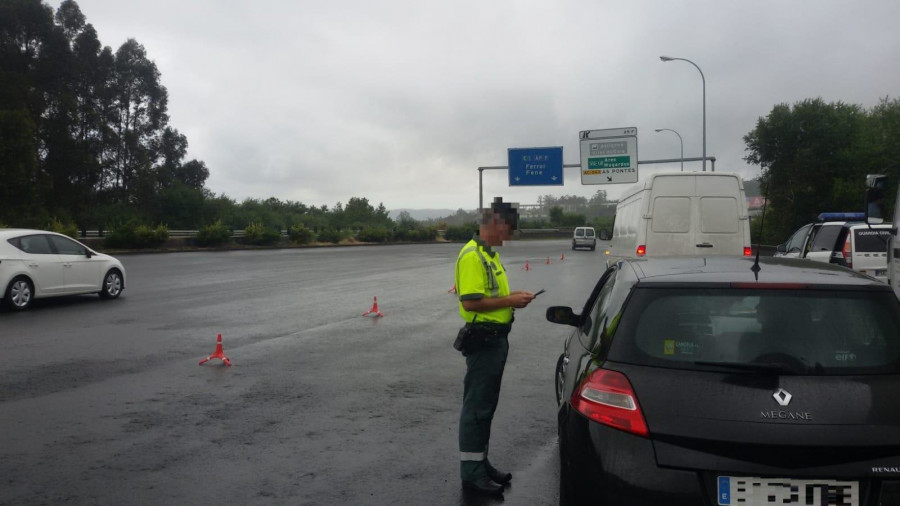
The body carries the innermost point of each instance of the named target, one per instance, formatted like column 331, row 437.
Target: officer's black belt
column 490, row 329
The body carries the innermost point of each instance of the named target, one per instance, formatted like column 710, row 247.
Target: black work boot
column 497, row 475
column 483, row 485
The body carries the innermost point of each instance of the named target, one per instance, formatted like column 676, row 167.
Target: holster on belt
column 473, row 336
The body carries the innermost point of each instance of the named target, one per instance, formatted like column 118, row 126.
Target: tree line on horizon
column 815, row 157
column 85, row 143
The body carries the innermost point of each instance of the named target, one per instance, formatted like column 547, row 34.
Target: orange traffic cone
column 527, row 267
column 563, row 257
column 452, row 290
column 548, row 260
column 218, row 354
column 374, row 309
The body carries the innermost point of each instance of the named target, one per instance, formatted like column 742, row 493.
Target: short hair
column 506, row 211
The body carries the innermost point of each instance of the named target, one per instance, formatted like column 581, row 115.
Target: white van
column 682, row 213
column 584, row 237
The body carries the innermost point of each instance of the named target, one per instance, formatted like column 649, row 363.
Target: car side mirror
column 88, row 253
column 563, row 315
column 874, row 206
column 781, row 248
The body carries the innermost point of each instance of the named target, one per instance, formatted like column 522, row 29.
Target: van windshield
column 803, row 331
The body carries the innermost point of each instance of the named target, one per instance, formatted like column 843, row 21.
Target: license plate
column 744, row 491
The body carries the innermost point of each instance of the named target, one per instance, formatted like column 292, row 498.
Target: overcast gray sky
column 400, row 101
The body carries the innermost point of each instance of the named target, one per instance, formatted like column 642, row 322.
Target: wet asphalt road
column 103, row 402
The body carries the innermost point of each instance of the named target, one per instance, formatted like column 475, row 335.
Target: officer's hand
column 519, row 300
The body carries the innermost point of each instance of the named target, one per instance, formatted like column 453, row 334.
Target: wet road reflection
column 104, row 402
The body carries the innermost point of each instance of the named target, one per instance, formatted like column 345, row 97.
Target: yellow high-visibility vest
column 480, row 274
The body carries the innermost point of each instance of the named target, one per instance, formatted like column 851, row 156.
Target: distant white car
column 584, row 237
column 35, row 264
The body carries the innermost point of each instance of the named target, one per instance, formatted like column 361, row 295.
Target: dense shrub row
column 216, row 234
column 59, row 227
column 131, row 235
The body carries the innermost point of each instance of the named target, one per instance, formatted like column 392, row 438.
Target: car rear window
column 871, row 240
column 34, row 244
column 813, row 331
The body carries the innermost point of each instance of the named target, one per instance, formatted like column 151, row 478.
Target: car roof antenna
column 756, row 268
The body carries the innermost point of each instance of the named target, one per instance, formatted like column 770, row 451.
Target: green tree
column 141, row 104
column 358, row 213
column 810, row 156
column 82, row 129
column 556, row 216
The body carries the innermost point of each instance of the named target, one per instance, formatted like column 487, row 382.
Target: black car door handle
column 704, row 245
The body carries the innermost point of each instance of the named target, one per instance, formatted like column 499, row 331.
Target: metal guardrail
column 87, row 234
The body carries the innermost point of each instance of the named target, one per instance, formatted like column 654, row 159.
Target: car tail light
column 608, row 398
column 848, row 250
column 641, row 250
column 747, row 251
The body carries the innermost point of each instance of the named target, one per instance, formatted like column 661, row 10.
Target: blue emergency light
column 842, row 216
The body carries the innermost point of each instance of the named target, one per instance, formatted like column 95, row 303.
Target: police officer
column 486, row 304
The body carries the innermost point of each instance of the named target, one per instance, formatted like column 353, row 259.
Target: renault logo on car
column 782, row 396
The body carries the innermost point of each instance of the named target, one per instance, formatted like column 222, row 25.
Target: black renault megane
column 724, row 381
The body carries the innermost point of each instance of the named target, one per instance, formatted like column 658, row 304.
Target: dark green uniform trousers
column 481, row 391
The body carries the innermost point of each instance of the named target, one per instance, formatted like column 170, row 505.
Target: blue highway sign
column 536, row 166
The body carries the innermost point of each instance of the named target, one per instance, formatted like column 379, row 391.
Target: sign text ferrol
column 536, row 166
column 609, row 156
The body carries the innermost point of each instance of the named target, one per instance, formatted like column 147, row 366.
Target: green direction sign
column 609, row 162
column 609, row 156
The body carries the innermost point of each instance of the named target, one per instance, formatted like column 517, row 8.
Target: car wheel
column 112, row 285
column 19, row 294
column 560, row 380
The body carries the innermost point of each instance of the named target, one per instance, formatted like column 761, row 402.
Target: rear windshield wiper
column 769, row 367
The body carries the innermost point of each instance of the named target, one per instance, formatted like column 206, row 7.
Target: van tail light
column 848, row 251
column 607, row 397
column 641, row 250
column 748, row 251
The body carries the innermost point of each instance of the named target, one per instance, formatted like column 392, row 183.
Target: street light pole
column 669, row 58
column 679, row 139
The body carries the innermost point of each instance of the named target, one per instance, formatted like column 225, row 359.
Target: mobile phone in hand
column 539, row 292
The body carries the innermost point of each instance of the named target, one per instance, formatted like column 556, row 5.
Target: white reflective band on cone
column 477, row 457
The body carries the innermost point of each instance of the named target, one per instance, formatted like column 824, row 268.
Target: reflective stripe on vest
column 492, row 283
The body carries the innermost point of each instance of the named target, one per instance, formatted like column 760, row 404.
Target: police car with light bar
column 843, row 239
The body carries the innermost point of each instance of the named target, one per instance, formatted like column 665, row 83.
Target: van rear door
column 699, row 215
column 720, row 230
column 869, row 249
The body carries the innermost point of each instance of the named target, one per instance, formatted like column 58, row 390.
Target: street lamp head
column 666, row 58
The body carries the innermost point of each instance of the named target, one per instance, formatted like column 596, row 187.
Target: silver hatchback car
column 37, row 263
